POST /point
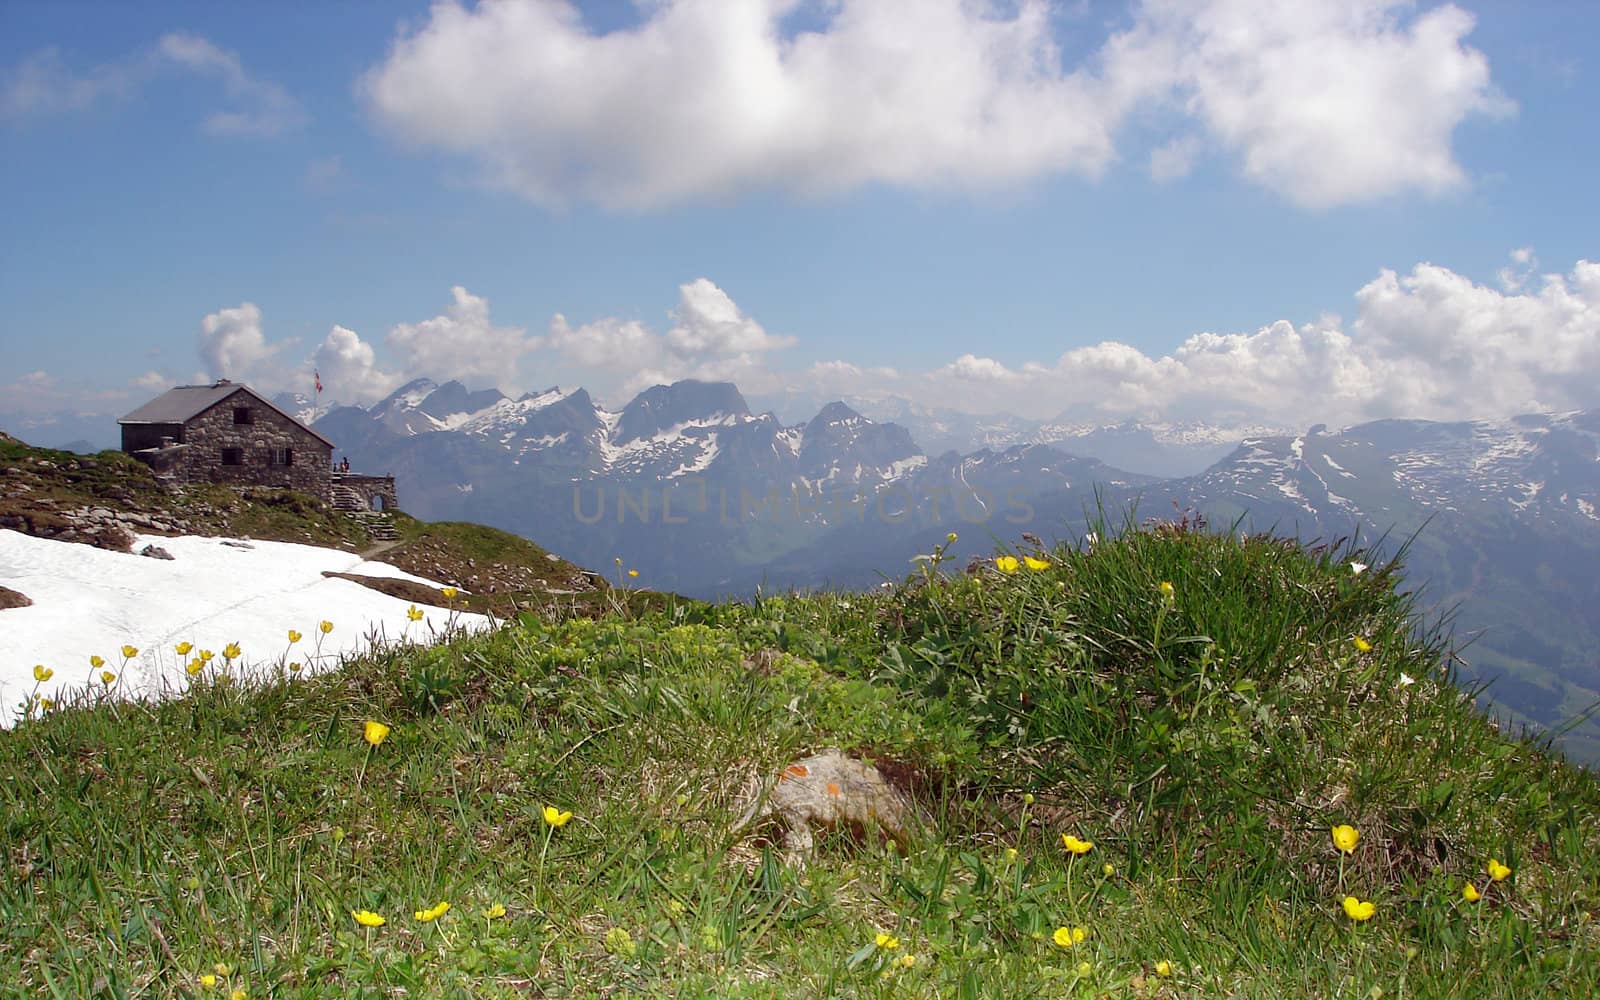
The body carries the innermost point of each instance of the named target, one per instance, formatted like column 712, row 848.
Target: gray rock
column 155, row 552
column 830, row 791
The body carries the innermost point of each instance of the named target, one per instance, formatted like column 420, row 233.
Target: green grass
column 1206, row 743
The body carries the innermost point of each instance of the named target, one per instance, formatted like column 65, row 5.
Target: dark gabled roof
column 175, row 406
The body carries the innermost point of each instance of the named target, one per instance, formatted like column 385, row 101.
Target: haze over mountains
column 703, row 495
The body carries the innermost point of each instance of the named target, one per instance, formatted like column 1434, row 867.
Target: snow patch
column 89, row 601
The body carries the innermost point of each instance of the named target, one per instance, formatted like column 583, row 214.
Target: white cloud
column 262, row 107
column 710, row 338
column 1324, row 101
column 43, row 84
column 462, row 343
column 1455, row 348
column 349, row 368
column 1175, row 159
column 152, row 381
column 609, row 345
column 233, row 346
column 707, row 96
column 1428, row 344
column 970, row 368
column 709, row 323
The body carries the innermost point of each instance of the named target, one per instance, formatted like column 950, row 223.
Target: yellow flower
column 106, row 677
column 432, row 913
column 294, row 668
column 1011, row 854
column 449, row 593
column 1108, row 869
column 1075, row 845
column 374, row 732
column 325, row 627
column 238, row 995
column 1163, row 968
column 96, row 662
column 1345, row 837
column 1358, row 910
column 555, row 817
column 45, row 704
column 129, row 652
column 366, row 918
column 208, row 980
column 1084, row 968
column 1362, row 645
column 950, row 539
column 1027, row 798
column 1035, row 564
column 294, row 637
column 414, row 613
column 1498, row 871
column 1007, row 564
column 206, row 655
column 620, row 943
column 230, row 651
column 633, row 572
column 42, row 673
column 194, row 666
column 182, row 648
column 1470, row 893
column 907, row 960
column 1167, row 591
column 888, row 942
column 1066, row 937
column 495, row 912
column 222, row 969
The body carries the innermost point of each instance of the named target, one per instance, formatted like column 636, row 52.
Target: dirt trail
column 367, row 555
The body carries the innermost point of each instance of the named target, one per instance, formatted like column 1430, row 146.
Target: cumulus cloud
column 1324, row 101
column 349, row 368
column 709, row 96
column 1428, row 344
column 44, row 84
column 152, row 381
column 708, row 322
column 233, row 345
column 710, row 338
column 462, row 343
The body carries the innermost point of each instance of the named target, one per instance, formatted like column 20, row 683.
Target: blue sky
column 1204, row 210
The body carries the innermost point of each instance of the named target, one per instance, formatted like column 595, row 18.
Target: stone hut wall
column 252, row 454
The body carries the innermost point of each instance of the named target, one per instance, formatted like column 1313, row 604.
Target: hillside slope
column 106, row 498
column 1135, row 764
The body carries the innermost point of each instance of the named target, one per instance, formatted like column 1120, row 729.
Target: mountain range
column 701, row 494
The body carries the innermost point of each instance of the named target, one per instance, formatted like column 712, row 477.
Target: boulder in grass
column 829, row 791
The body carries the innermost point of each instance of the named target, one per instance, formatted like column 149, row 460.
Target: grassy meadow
column 1170, row 763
